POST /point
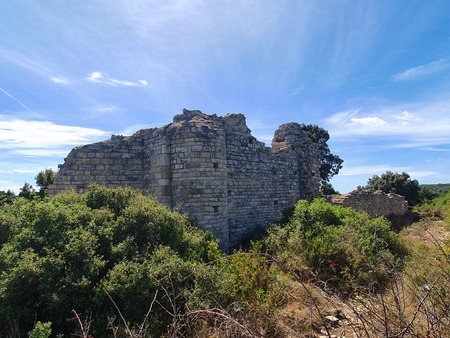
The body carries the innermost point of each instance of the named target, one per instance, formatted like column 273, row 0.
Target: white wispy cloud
column 130, row 130
column 370, row 121
column 105, row 109
column 417, row 175
column 101, row 78
column 430, row 68
column 407, row 118
column 43, row 138
column 420, row 125
column 370, row 170
column 60, row 80
column 23, row 171
column 25, row 61
column 435, row 149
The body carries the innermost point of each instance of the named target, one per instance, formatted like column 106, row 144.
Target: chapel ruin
column 209, row 166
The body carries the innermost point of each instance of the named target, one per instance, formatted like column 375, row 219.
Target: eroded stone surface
column 375, row 203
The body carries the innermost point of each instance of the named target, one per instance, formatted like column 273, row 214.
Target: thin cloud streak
column 15, row 99
column 104, row 109
column 26, row 62
column 381, row 169
column 369, row 170
column 97, row 77
column 60, row 80
column 424, row 70
column 32, row 138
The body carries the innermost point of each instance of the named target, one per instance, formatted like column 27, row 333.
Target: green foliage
column 439, row 207
column 427, row 194
column 253, row 279
column 6, row 197
column 44, row 179
column 134, row 284
column 436, row 189
column 128, row 264
column 326, row 188
column 397, row 183
column 61, row 254
column 27, row 191
column 342, row 247
column 252, row 287
column 41, row 330
column 331, row 164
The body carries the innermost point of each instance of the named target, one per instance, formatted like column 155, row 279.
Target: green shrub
column 60, row 255
column 438, row 207
column 41, row 330
column 341, row 247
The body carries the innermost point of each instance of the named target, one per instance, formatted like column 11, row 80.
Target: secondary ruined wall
column 229, row 182
column 377, row 203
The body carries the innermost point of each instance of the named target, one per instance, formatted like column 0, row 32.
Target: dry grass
column 416, row 303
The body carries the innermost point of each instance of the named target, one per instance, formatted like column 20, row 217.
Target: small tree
column 331, row 164
column 26, row 191
column 44, row 179
column 397, row 183
column 326, row 188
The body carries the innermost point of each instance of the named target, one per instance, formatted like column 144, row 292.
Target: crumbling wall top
column 290, row 136
column 375, row 203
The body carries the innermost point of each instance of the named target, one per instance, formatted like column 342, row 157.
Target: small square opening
column 275, row 202
column 216, row 165
column 216, row 208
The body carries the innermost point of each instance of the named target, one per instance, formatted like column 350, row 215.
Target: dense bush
column 397, row 183
column 337, row 246
column 120, row 262
column 76, row 251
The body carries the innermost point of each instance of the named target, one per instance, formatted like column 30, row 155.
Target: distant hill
column 439, row 189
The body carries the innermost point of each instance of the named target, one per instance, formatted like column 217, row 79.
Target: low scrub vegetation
column 115, row 263
column 96, row 253
column 337, row 246
column 437, row 208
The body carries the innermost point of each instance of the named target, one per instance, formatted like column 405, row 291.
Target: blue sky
column 375, row 74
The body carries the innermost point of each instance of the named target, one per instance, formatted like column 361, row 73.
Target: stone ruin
column 208, row 166
column 376, row 203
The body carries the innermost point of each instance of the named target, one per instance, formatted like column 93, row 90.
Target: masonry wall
column 375, row 203
column 112, row 162
column 209, row 166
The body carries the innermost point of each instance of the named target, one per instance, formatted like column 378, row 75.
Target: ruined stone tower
column 210, row 166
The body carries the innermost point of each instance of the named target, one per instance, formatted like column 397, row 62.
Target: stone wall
column 378, row 203
column 210, row 166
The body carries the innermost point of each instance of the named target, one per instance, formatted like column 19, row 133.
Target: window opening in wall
column 216, row 208
column 216, row 165
column 275, row 202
